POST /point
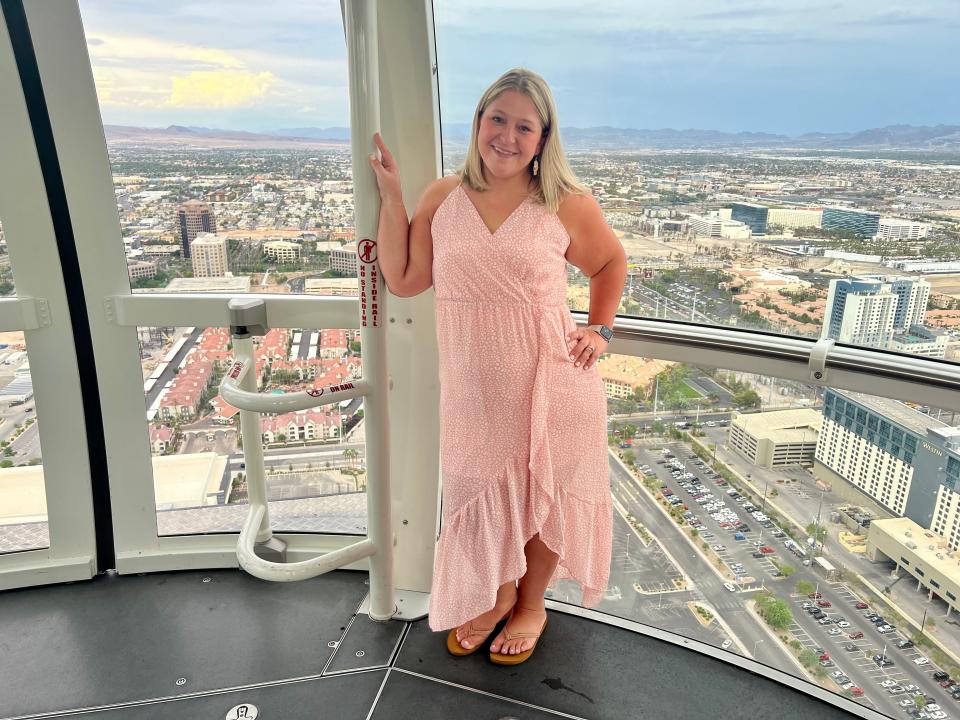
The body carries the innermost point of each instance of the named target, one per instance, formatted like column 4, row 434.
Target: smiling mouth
column 502, row 153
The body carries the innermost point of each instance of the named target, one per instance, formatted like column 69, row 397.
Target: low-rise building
column 777, row 438
column 282, row 250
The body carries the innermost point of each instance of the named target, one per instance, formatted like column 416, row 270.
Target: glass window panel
column 23, row 501
column 230, row 148
column 798, row 224
column 842, row 475
column 315, row 480
column 7, row 288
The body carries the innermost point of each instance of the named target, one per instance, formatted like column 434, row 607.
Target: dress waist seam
column 487, row 303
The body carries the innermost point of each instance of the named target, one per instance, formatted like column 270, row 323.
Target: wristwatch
column 602, row 330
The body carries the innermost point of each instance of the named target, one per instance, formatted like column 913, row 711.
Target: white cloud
column 219, row 89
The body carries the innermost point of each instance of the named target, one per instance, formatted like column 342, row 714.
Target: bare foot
column 522, row 620
column 488, row 620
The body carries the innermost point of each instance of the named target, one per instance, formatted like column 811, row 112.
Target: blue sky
column 788, row 68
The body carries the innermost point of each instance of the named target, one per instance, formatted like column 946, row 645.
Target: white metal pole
column 250, row 430
column 360, row 22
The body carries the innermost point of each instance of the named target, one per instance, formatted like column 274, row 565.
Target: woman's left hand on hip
column 579, row 342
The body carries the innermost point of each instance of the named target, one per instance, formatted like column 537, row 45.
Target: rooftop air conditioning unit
column 939, row 556
column 929, row 547
column 912, row 545
column 908, row 533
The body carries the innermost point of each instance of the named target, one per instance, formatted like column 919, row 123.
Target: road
column 801, row 500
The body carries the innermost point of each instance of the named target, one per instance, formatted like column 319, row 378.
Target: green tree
column 747, row 399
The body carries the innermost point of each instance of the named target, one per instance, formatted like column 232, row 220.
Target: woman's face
column 510, row 134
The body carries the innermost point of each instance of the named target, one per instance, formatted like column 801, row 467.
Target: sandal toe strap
column 511, row 636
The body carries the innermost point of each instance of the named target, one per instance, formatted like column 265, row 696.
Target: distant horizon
column 733, row 66
column 267, row 131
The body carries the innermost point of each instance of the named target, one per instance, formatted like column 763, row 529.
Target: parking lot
column 870, row 654
column 720, row 518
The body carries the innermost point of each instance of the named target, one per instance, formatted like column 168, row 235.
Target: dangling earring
column 536, row 166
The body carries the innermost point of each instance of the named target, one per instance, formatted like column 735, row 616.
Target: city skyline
column 729, row 68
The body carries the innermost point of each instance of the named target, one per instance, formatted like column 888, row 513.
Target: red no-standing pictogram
column 367, row 251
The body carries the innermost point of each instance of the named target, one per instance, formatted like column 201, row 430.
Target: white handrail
column 231, row 391
column 238, row 388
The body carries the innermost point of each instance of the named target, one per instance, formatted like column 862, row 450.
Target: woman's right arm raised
column 404, row 249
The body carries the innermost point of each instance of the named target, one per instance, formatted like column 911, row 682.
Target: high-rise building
column 901, row 461
column 209, row 255
column 860, row 311
column 864, row 224
column 194, row 217
column 912, row 295
column 869, row 310
column 752, row 215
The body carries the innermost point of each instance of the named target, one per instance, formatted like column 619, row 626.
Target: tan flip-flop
column 454, row 646
column 501, row 659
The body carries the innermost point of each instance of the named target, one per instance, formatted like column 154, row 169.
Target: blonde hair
column 554, row 177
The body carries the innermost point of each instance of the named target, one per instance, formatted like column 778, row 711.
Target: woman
column 523, row 412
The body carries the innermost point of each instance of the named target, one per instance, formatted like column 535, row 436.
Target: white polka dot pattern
column 523, row 436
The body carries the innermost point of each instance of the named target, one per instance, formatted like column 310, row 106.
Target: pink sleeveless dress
column 523, row 433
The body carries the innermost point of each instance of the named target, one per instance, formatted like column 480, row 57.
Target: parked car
column 856, row 635
column 824, row 603
column 815, row 596
column 860, row 605
column 920, row 660
column 882, row 661
column 904, row 644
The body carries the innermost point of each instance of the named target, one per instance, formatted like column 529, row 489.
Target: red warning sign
column 367, row 251
column 368, row 276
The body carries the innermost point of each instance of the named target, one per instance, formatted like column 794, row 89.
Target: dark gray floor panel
column 345, row 697
column 117, row 639
column 377, row 643
column 593, row 670
column 408, row 697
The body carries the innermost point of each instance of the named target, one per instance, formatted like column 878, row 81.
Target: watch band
column 602, row 330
